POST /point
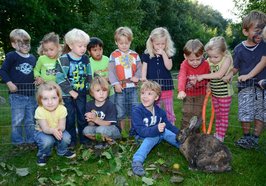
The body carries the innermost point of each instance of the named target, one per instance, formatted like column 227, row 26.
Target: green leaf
column 2, row 164
column 98, row 137
column 107, row 155
column 148, row 181
column 42, row 180
column 120, row 181
column 160, row 161
column 176, row 179
column 22, row 171
column 86, row 154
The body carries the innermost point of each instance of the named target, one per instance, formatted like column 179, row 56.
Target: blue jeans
column 110, row 131
column 22, row 113
column 45, row 143
column 75, row 111
column 149, row 142
column 124, row 102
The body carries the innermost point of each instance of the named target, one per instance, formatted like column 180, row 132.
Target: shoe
column 69, row 155
column 101, row 145
column 247, row 142
column 253, row 142
column 41, row 161
column 137, row 168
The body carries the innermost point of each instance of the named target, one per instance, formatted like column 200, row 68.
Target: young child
column 49, row 51
column 221, row 63
column 191, row 92
column 247, row 55
column 73, row 74
column 99, row 62
column 17, row 73
column 51, row 123
column 124, row 73
column 149, row 122
column 157, row 63
column 101, row 113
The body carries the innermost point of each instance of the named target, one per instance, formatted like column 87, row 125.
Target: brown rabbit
column 203, row 151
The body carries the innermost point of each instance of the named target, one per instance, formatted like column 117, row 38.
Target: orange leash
column 204, row 114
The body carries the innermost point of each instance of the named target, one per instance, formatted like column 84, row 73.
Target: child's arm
column 137, row 75
column 37, row 72
column 113, row 77
column 91, row 117
column 56, row 132
column 182, row 81
column 168, row 63
column 62, row 124
column 258, row 68
column 144, row 71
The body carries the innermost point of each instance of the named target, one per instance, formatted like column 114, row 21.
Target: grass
column 112, row 166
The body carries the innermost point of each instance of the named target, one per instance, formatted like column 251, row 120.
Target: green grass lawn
column 112, row 166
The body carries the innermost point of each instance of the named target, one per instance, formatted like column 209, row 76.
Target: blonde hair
column 151, row 85
column 19, row 35
column 159, row 33
column 48, row 86
column 50, row 37
column 218, row 44
column 193, row 46
column 254, row 17
column 123, row 31
column 73, row 36
column 99, row 81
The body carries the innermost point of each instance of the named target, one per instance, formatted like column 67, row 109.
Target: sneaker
column 243, row 142
column 69, row 155
column 253, row 142
column 41, row 161
column 137, row 168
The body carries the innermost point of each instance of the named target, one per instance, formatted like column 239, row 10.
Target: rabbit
column 203, row 151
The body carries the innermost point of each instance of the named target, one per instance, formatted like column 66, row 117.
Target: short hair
column 50, row 37
column 264, row 33
column 193, row 46
column 158, row 33
column 99, row 81
column 19, row 35
column 48, row 86
column 151, row 85
column 94, row 41
column 254, row 17
column 216, row 43
column 123, row 31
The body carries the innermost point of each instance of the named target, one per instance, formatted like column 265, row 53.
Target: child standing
column 221, row 63
column 101, row 113
column 48, row 50
column 247, row 55
column 17, row 73
column 149, row 122
column 191, row 92
column 124, row 73
column 51, row 123
column 73, row 75
column 157, row 63
column 99, row 62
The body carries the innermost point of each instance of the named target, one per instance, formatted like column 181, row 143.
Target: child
column 247, row 55
column 221, row 62
column 99, row 62
column 17, row 73
column 73, row 74
column 124, row 73
column 48, row 50
column 191, row 92
column 101, row 113
column 157, row 63
column 149, row 122
column 51, row 123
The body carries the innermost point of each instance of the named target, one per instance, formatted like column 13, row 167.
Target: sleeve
column 235, row 59
column 61, row 78
column 89, row 71
column 39, row 113
column 112, row 72
column 37, row 68
column 110, row 113
column 5, row 69
column 139, row 65
column 169, row 125
column 140, row 128
column 62, row 112
column 182, row 77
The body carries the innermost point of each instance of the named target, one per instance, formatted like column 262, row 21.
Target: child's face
column 159, row 45
column 78, row 49
column 99, row 94
column 96, row 53
column 148, row 97
column 50, row 100
column 51, row 49
column 215, row 56
column 123, row 44
column 22, row 46
column 193, row 60
column 254, row 34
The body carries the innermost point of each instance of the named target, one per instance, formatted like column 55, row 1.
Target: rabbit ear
column 194, row 124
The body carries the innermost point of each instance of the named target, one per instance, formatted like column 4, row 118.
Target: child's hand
column 73, row 94
column 181, row 95
column 12, row 87
column 118, row 88
column 243, row 78
column 192, row 79
column 262, row 83
column 90, row 116
column 38, row 81
column 57, row 134
column 134, row 79
column 143, row 79
column 159, row 51
column 227, row 78
column 161, row 127
column 199, row 78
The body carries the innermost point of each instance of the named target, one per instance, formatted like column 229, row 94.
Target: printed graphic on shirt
column 148, row 122
column 25, row 68
column 99, row 114
column 77, row 75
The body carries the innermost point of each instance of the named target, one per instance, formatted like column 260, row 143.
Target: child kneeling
column 149, row 122
column 101, row 114
column 51, row 123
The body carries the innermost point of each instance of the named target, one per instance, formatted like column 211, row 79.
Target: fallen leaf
column 22, row 171
column 148, row 181
column 176, row 179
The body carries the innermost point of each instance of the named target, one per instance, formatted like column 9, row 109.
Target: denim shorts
column 110, row 131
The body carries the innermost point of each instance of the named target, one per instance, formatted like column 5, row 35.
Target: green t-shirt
column 45, row 68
